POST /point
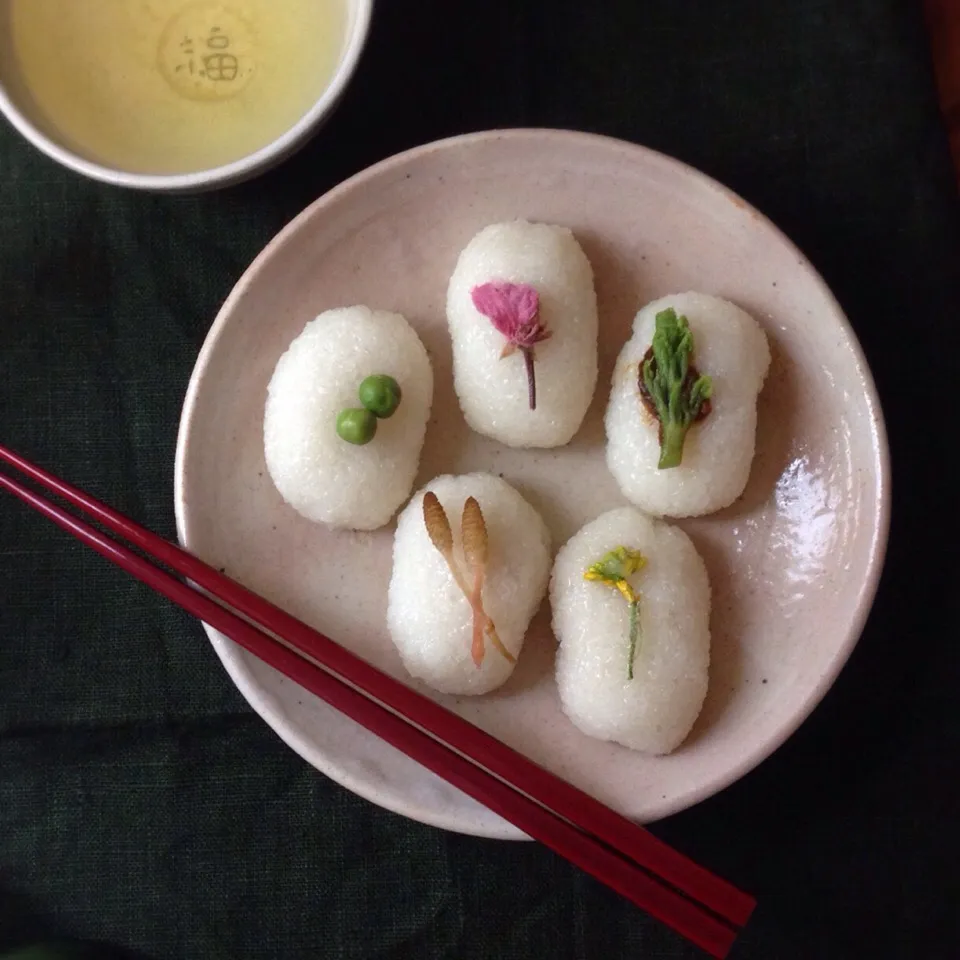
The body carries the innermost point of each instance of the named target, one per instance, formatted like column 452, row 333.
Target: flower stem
column 531, row 376
column 634, row 633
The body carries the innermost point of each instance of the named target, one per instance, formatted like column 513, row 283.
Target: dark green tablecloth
column 142, row 804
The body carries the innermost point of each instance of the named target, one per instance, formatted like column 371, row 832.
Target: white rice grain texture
column 654, row 711
column 493, row 391
column 429, row 618
column 321, row 476
column 730, row 347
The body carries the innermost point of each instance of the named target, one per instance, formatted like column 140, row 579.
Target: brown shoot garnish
column 498, row 643
column 473, row 533
column 441, row 536
column 437, row 524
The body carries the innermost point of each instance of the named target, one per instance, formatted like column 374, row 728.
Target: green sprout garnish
column 678, row 394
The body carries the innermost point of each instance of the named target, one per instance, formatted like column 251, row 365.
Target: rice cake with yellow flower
column 631, row 609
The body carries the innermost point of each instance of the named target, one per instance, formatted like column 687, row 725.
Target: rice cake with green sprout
column 682, row 415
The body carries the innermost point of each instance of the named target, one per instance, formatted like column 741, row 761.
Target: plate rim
column 228, row 652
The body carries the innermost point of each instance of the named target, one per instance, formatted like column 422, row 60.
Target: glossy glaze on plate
column 793, row 563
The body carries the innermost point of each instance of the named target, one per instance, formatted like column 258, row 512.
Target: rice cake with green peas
column 680, row 469
column 437, row 608
column 358, row 477
column 651, row 700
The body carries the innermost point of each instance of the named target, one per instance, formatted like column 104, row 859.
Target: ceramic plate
column 794, row 563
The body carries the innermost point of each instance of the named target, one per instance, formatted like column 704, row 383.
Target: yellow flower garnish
column 612, row 569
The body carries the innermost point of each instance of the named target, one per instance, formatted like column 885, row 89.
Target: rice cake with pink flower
column 522, row 313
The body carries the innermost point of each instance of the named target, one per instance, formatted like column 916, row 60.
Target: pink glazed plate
column 794, row 563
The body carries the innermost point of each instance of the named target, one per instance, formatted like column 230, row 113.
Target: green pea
column 380, row 394
column 356, row 426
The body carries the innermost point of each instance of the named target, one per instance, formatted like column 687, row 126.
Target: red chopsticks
column 705, row 909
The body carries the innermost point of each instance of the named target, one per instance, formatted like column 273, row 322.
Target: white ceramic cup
column 18, row 110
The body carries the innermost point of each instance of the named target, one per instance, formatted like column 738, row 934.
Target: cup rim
column 228, row 173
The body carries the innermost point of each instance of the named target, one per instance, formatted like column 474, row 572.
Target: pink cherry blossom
column 514, row 310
